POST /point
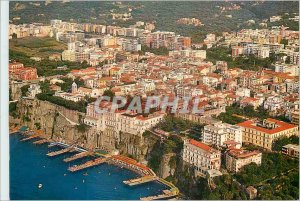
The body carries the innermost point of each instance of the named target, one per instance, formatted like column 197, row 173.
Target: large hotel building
column 201, row 156
column 263, row 133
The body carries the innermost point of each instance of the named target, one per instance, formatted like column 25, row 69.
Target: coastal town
column 246, row 84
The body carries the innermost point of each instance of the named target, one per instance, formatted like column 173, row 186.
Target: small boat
column 40, row 185
column 85, row 174
column 83, row 181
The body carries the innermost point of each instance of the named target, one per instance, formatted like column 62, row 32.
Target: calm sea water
column 29, row 167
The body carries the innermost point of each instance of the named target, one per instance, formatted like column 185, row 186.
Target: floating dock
column 31, row 137
column 78, row 156
column 141, row 180
column 62, row 151
column 167, row 194
column 88, row 164
column 42, row 141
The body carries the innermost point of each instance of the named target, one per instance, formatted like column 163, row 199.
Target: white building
column 33, row 90
column 238, row 158
column 243, row 92
column 293, row 70
column 221, row 134
column 274, row 103
column 201, row 156
column 120, row 121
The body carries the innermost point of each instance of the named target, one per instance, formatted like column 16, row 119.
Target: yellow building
column 264, row 133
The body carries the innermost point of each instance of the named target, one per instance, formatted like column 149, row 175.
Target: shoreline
column 115, row 160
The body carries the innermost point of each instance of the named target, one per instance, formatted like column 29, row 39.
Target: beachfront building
column 201, row 156
column 263, row 133
column 238, row 158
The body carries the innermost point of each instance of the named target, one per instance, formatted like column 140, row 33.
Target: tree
column 288, row 60
column 109, row 93
column 24, row 90
column 284, row 41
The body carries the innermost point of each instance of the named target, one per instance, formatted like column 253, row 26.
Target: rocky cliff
column 62, row 124
column 58, row 123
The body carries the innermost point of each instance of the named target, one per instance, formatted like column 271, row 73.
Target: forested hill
column 216, row 16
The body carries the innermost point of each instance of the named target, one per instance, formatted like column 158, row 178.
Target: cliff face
column 57, row 123
column 167, row 165
column 61, row 124
column 136, row 146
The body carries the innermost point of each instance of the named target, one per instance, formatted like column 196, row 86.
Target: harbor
column 146, row 175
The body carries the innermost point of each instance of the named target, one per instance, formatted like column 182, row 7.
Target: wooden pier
column 62, row 151
column 167, row 194
column 31, row 137
column 42, row 141
column 141, row 180
column 78, row 156
column 88, row 164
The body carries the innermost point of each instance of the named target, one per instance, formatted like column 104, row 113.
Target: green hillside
column 164, row 14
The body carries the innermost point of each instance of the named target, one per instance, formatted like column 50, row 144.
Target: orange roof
column 281, row 126
column 200, row 145
column 241, row 153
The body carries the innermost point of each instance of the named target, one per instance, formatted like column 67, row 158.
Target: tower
column 74, row 87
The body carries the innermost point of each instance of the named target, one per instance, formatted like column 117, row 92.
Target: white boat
column 40, row 185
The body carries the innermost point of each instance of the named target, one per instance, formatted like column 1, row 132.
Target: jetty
column 31, row 137
column 41, row 141
column 141, row 180
column 167, row 194
column 88, row 164
column 62, row 151
column 78, row 156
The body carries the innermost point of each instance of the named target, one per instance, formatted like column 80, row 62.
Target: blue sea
column 29, row 167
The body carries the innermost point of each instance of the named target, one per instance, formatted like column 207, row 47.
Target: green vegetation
column 247, row 112
column 24, row 90
column 275, row 168
column 244, row 62
column 67, row 85
column 37, row 125
column 293, row 25
column 45, row 67
column 279, row 143
column 283, row 188
column 226, row 189
column 37, row 47
column 79, row 106
column 273, row 164
column 165, row 14
column 13, row 109
column 173, row 144
column 82, row 128
column 174, row 124
column 109, row 93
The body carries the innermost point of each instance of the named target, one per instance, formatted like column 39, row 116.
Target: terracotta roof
column 200, row 145
column 281, row 126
